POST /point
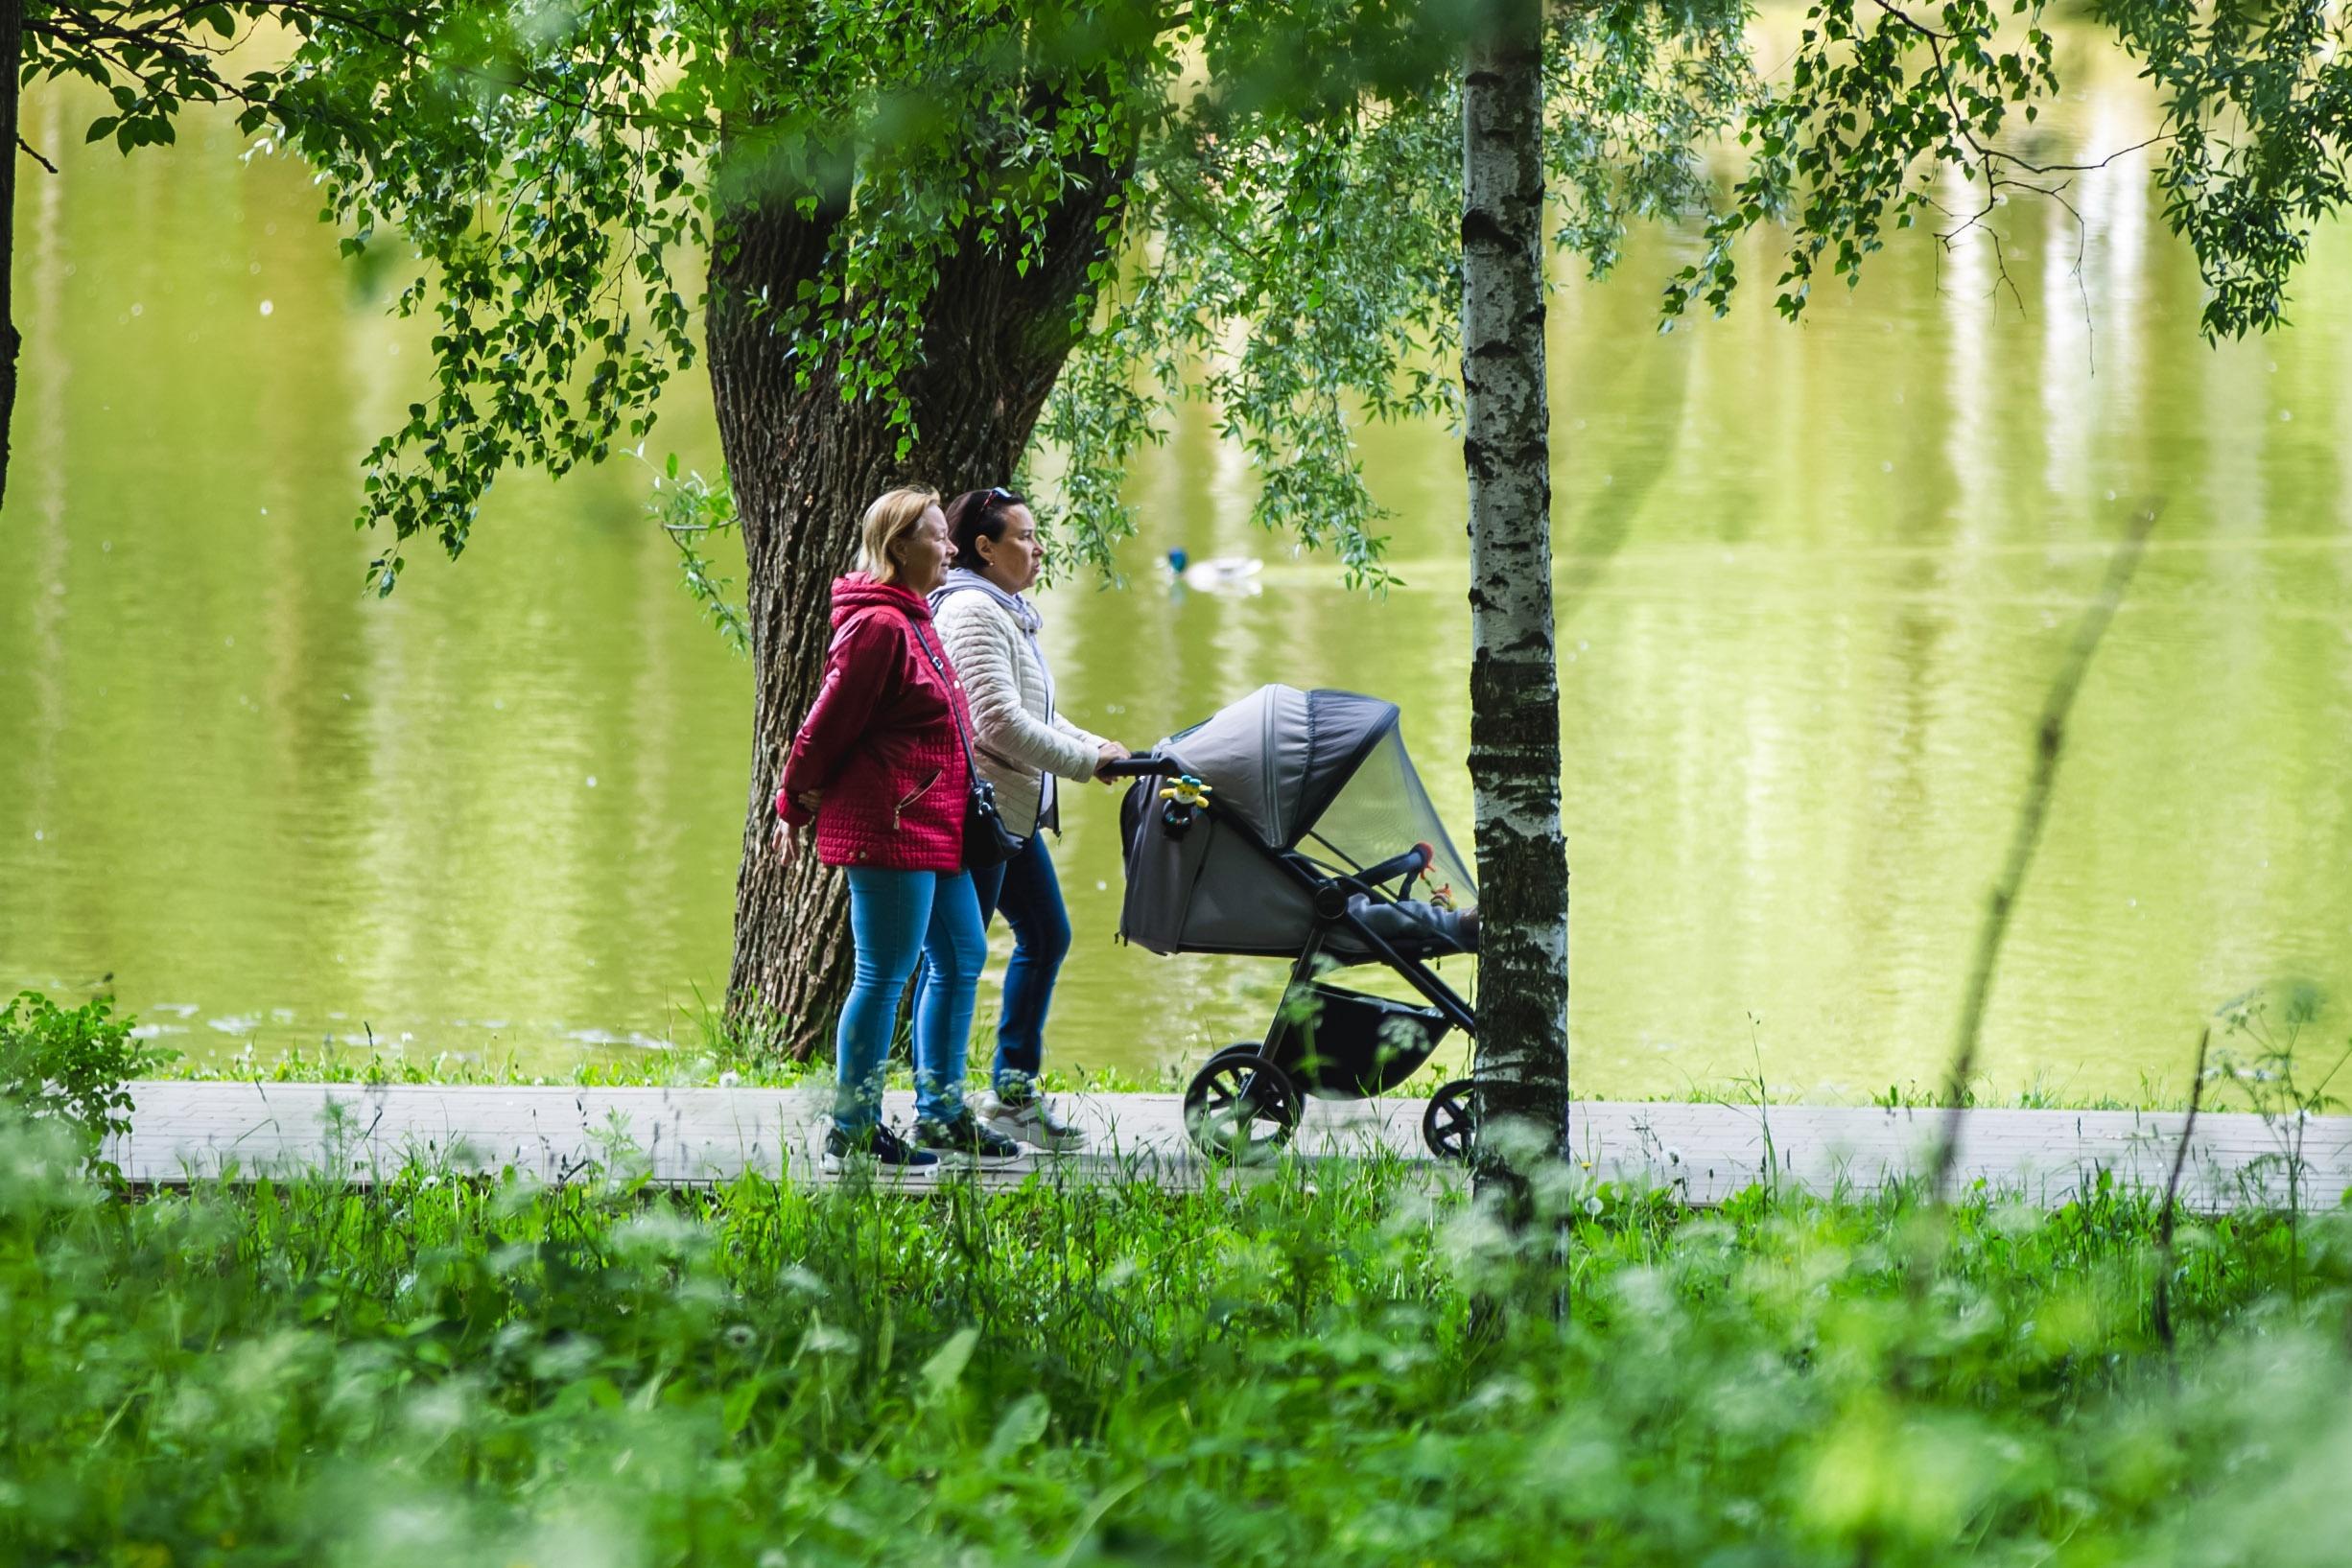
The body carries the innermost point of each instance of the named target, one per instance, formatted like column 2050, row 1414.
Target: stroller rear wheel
column 1241, row 1107
column 1450, row 1124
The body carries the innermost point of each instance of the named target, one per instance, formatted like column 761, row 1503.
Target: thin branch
column 35, row 154
column 2031, row 814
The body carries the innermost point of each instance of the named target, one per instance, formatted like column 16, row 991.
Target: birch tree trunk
column 1523, row 1057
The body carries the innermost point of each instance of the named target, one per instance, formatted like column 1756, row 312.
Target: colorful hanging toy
column 1184, row 795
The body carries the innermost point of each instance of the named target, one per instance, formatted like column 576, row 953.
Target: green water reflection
column 1813, row 583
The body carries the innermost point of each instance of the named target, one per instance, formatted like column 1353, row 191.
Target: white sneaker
column 1031, row 1121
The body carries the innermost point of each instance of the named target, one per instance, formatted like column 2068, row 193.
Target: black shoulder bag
column 987, row 841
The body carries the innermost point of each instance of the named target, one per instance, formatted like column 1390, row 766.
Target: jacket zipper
column 918, row 793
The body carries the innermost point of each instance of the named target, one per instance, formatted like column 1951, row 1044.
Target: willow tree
column 914, row 217
column 936, row 235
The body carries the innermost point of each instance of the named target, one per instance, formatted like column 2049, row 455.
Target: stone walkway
column 185, row 1131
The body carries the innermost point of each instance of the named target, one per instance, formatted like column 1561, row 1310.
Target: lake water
column 1814, row 581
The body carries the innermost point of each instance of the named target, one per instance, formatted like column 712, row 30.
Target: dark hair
column 977, row 515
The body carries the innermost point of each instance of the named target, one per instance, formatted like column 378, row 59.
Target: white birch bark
column 1523, row 1057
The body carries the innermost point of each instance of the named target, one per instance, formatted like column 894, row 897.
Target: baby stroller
column 1292, row 825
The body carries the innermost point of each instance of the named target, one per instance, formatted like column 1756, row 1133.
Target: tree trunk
column 1522, row 1056
column 804, row 464
column 11, row 57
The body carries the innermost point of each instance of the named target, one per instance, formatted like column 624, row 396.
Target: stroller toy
column 1292, row 825
column 1185, row 795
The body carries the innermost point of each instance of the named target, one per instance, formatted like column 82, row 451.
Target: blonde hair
column 887, row 523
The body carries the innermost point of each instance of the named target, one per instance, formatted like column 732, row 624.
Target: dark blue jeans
column 1030, row 895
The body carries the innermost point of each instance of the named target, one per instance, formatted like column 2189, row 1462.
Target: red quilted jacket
column 879, row 740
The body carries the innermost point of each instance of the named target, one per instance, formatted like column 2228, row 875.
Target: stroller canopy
column 1324, row 774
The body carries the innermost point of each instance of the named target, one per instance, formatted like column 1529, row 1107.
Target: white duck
column 1218, row 575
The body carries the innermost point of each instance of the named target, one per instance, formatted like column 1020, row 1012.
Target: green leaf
column 1022, row 1424
column 946, row 1364
column 741, row 1401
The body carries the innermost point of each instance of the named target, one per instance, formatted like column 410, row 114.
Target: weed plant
column 1336, row 1367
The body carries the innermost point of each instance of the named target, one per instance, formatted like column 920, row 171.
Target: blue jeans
column 1030, row 895
column 894, row 916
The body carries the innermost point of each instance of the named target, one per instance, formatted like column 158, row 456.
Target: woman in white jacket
column 1025, row 748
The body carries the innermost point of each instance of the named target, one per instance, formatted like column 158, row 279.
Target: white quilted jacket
column 1019, row 737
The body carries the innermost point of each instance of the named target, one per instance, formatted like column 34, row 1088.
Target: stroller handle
column 1137, row 767
column 1411, row 864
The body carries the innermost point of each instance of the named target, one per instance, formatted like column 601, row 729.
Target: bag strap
column 970, row 765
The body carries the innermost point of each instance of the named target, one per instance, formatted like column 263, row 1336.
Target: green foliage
column 1883, row 100
column 1285, row 177
column 151, row 56
column 1274, row 184
column 467, row 1373
column 1874, row 92
column 691, row 511
column 2257, row 123
column 1635, row 92
column 1302, row 272
column 73, row 1067
column 538, row 159
column 561, row 172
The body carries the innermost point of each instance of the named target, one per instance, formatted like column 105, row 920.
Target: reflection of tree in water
column 1651, row 405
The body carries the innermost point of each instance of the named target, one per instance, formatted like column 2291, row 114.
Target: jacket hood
column 1027, row 615
column 859, row 590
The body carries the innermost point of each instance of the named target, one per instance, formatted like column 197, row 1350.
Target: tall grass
column 450, row 1373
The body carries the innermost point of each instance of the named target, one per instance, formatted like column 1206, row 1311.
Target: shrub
column 73, row 1067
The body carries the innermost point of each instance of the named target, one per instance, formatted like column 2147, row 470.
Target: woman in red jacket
column 879, row 766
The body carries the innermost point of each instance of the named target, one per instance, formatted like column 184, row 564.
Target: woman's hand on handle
column 1112, row 752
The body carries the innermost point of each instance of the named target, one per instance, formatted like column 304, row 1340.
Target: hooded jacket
column 881, row 739
column 1019, row 740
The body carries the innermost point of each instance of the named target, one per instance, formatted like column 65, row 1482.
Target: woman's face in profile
column 1015, row 557
column 929, row 552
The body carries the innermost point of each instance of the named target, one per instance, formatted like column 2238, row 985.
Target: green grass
column 710, row 1054
column 1333, row 1369
column 697, row 1067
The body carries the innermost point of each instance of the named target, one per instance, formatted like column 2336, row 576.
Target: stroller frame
column 1246, row 1101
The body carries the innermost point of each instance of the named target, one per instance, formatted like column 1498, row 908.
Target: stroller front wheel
column 1241, row 1107
column 1450, row 1124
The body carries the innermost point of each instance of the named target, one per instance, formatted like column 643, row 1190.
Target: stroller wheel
column 1450, row 1124
column 1240, row 1107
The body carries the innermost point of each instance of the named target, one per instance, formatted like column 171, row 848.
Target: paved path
column 1709, row 1152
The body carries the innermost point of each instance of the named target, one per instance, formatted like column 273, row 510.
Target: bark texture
column 11, row 58
column 1522, row 1058
column 804, row 464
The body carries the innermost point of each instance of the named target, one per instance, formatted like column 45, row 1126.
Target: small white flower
column 1593, row 1207
column 729, row 1079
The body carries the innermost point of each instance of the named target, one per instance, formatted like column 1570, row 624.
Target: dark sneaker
column 965, row 1135
column 1029, row 1120
column 876, row 1143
